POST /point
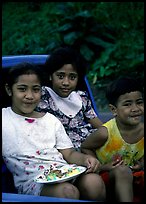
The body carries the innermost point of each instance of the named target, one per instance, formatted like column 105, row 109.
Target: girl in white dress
column 32, row 141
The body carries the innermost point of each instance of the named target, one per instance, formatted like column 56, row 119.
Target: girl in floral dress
column 65, row 71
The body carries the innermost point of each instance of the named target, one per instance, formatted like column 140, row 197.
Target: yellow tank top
column 116, row 147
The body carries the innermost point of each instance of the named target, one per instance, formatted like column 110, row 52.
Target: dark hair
column 20, row 69
column 66, row 55
column 121, row 86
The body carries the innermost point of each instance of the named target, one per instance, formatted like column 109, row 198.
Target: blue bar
column 10, row 197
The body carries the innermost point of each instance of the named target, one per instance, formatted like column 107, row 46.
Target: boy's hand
column 137, row 166
column 111, row 165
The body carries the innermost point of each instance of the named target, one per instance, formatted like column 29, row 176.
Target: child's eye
column 37, row 90
column 73, row 77
column 60, row 76
column 22, row 89
column 127, row 104
column 140, row 102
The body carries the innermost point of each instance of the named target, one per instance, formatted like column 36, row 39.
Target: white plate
column 52, row 178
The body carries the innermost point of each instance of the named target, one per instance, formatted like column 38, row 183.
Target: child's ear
column 8, row 90
column 113, row 109
column 50, row 78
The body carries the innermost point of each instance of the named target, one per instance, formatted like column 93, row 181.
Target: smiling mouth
column 28, row 104
column 135, row 116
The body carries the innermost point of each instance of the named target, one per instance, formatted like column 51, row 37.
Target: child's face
column 26, row 94
column 64, row 80
column 130, row 108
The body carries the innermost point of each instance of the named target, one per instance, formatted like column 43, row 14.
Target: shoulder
column 111, row 127
column 82, row 93
column 84, row 97
column 45, row 90
column 103, row 131
column 6, row 110
column 52, row 117
column 110, row 123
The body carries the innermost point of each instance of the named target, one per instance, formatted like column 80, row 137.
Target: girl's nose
column 29, row 94
column 65, row 81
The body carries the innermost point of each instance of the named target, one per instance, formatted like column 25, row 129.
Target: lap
column 138, row 184
column 55, row 189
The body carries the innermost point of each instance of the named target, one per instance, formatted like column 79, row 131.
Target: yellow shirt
column 116, row 147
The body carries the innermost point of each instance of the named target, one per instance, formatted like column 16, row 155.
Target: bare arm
column 95, row 122
column 94, row 140
column 89, row 152
column 74, row 157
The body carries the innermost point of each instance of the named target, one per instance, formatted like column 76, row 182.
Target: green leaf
column 98, row 41
column 65, row 27
column 86, row 52
column 70, row 38
column 102, row 71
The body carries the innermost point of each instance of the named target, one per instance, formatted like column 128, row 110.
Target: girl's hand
column 92, row 164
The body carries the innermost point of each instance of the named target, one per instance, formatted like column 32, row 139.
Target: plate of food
column 59, row 173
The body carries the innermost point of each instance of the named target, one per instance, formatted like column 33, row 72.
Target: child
column 32, row 141
column 65, row 70
column 119, row 143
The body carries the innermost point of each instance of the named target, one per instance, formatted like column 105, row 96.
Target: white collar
column 70, row 105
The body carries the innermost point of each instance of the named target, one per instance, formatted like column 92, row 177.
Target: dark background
column 109, row 35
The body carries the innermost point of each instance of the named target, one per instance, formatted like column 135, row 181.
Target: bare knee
column 123, row 172
column 62, row 190
column 70, row 191
column 92, row 187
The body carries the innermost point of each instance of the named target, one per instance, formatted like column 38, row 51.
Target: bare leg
column 91, row 187
column 61, row 190
column 123, row 182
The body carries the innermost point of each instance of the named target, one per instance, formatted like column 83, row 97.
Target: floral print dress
column 76, row 127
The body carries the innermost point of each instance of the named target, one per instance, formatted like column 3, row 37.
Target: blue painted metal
column 11, row 197
column 8, row 61
column 91, row 95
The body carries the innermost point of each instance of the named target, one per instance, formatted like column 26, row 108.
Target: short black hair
column 23, row 68
column 120, row 86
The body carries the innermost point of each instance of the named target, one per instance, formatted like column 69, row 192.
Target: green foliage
column 110, row 35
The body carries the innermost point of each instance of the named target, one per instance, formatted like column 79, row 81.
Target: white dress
column 27, row 148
